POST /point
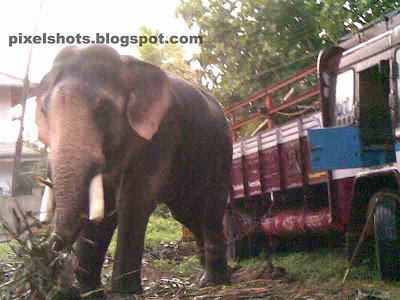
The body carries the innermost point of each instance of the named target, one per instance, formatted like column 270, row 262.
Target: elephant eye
column 105, row 105
column 104, row 113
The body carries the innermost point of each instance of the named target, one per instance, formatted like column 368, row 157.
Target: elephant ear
column 40, row 116
column 150, row 96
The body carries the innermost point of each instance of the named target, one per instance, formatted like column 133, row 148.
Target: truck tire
column 386, row 234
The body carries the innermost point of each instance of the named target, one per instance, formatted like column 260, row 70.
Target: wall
column 8, row 128
column 27, row 203
column 6, row 170
column 5, row 104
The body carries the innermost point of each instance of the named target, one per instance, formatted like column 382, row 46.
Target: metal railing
column 267, row 95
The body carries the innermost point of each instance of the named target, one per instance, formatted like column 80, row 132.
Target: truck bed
column 275, row 160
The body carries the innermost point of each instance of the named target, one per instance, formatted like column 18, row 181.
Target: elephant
column 124, row 136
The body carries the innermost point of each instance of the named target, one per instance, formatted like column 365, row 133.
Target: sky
column 74, row 17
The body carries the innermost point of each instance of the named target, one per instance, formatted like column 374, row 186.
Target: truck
column 334, row 164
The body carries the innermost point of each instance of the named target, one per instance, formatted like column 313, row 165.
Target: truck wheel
column 386, row 234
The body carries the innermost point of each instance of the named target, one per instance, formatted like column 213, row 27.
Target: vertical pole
column 18, row 147
column 234, row 135
column 25, row 93
column 268, row 104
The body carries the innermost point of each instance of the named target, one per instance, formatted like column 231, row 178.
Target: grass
column 4, row 250
column 319, row 270
column 159, row 229
column 322, row 270
column 162, row 229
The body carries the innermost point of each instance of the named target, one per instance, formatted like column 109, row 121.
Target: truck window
column 344, row 104
column 375, row 115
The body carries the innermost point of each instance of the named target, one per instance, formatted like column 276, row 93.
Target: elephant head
column 95, row 105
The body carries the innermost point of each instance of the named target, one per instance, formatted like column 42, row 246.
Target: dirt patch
column 171, row 251
column 246, row 283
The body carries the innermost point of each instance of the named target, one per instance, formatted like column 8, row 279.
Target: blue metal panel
column 396, row 149
column 335, row 148
column 377, row 156
column 341, row 148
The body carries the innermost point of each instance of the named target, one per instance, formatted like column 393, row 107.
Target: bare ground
column 262, row 282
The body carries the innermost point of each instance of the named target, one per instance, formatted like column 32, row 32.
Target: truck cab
column 360, row 143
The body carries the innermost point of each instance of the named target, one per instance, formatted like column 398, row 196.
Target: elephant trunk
column 78, row 195
column 76, row 158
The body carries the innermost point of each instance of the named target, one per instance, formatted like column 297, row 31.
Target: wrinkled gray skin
column 104, row 113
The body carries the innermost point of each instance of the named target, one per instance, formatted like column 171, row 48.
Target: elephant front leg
column 144, row 184
column 92, row 246
column 91, row 250
column 129, row 252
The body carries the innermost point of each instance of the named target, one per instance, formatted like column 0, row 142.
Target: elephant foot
column 216, row 270
column 91, row 293
column 214, row 278
column 117, row 294
column 72, row 293
column 123, row 296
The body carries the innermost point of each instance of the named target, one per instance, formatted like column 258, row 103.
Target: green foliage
column 159, row 229
column 250, row 44
column 162, row 210
column 30, row 268
column 169, row 57
column 162, row 229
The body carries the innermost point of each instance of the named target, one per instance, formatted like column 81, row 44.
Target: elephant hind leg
column 194, row 226
column 214, row 202
column 203, row 213
column 216, row 267
column 207, row 228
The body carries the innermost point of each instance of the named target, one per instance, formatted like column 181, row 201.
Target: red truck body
column 323, row 171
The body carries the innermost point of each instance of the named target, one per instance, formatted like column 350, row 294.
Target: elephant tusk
column 96, row 199
column 47, row 207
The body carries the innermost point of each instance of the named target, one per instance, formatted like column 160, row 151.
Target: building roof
column 10, row 79
column 7, row 152
column 15, row 86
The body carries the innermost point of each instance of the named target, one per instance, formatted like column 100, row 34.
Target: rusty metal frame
column 267, row 95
